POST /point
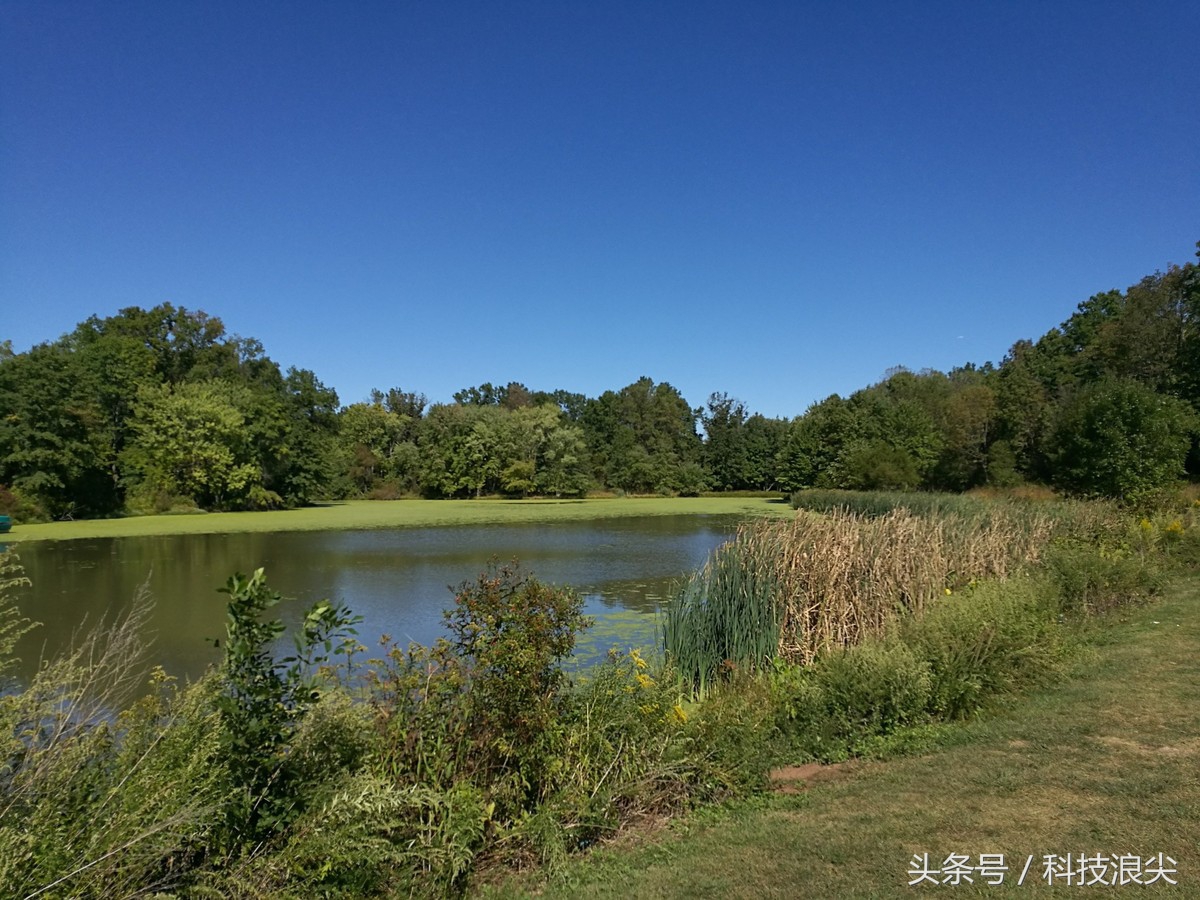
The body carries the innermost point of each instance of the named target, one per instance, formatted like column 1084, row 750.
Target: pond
column 398, row 580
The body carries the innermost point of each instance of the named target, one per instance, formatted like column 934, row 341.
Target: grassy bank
column 362, row 514
column 1104, row 762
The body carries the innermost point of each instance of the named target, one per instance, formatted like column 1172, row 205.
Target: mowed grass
column 358, row 514
column 1106, row 762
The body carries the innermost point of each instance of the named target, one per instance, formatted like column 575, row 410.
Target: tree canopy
column 154, row 408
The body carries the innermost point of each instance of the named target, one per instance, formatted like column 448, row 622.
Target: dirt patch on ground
column 1180, row 748
column 797, row 779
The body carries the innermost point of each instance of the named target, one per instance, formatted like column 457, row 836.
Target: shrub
column 365, row 836
column 734, row 738
column 22, row 509
column 262, row 702
column 1120, row 439
column 1092, row 578
column 985, row 641
column 828, row 709
column 624, row 753
column 485, row 704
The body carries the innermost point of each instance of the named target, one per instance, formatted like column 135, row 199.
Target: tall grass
column 97, row 796
column 797, row 589
column 12, row 624
column 727, row 614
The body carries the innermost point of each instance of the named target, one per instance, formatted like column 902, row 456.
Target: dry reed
column 819, row 582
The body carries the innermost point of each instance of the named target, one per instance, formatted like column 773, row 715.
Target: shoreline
column 352, row 515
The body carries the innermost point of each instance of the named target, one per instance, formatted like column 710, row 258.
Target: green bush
column 874, row 687
column 263, row 701
column 625, row 754
column 988, row 640
column 825, row 710
column 486, row 704
column 20, row 507
column 734, row 738
column 1118, row 438
column 367, row 836
column 1092, row 579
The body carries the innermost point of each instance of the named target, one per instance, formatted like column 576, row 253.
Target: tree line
column 151, row 410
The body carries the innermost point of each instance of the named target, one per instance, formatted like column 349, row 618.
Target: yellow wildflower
column 644, row 681
column 679, row 714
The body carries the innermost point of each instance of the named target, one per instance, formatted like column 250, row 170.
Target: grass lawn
column 353, row 514
column 1105, row 762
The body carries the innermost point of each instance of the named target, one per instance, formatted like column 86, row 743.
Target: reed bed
column 796, row 589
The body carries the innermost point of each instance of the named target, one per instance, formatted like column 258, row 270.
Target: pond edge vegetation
column 327, row 775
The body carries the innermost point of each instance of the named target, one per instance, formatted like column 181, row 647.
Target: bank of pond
column 327, row 769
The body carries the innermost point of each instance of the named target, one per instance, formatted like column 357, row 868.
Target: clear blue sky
column 777, row 200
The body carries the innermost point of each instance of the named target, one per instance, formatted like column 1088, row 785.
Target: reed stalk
column 796, row 589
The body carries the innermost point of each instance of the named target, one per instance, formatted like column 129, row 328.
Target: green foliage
column 965, row 651
column 486, row 703
column 93, row 803
column 640, row 437
column 366, row 837
column 190, row 441
column 1119, row 439
column 53, row 447
column 986, row 641
column 78, row 429
column 13, row 626
column 725, row 450
column 829, row 709
column 620, row 727
column 513, row 632
column 724, row 618
column 470, row 450
column 880, row 503
column 874, row 687
column 733, row 736
column 1092, row 578
column 880, row 466
column 262, row 702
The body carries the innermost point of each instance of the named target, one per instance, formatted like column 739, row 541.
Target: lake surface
column 397, row 580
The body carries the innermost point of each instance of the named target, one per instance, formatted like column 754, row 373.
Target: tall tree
column 725, row 445
column 1118, row 438
column 190, row 442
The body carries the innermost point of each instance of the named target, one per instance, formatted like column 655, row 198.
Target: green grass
column 356, row 514
column 1104, row 762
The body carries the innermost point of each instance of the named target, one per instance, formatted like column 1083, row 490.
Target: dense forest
column 161, row 409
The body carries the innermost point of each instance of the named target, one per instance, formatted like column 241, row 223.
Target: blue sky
column 779, row 200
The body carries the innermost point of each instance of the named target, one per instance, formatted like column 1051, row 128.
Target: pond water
column 398, row 580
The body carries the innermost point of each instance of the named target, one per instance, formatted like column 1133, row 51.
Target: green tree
column 726, row 453
column 370, row 440
column 641, row 437
column 190, row 441
column 812, row 449
column 564, row 462
column 764, row 438
column 1120, row 439
column 53, row 447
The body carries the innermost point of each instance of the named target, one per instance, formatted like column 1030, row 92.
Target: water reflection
column 399, row 580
